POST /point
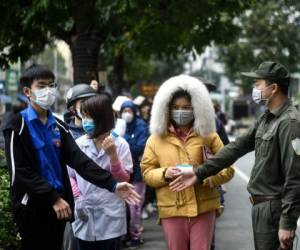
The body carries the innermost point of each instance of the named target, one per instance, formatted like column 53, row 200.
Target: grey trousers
column 265, row 223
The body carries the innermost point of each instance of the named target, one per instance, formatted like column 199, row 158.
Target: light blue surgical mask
column 88, row 126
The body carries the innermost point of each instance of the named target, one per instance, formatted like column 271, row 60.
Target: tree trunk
column 118, row 75
column 85, row 49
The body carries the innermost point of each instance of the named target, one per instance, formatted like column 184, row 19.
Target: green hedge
column 9, row 239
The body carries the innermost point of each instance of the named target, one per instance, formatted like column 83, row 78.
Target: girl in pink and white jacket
column 100, row 216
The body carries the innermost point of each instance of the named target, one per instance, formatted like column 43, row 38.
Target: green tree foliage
column 8, row 233
column 270, row 31
column 138, row 68
column 165, row 28
column 48, row 57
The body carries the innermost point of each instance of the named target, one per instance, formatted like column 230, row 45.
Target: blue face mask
column 88, row 126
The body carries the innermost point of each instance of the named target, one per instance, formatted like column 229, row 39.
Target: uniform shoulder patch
column 296, row 145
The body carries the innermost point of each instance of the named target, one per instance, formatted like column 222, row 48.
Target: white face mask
column 128, row 117
column 120, row 127
column 182, row 117
column 257, row 96
column 45, row 97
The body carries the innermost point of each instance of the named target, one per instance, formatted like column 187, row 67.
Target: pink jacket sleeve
column 75, row 189
column 119, row 173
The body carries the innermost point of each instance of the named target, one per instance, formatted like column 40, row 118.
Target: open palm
column 126, row 191
column 182, row 182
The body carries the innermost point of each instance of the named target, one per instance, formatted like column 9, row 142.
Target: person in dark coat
column 38, row 148
column 136, row 135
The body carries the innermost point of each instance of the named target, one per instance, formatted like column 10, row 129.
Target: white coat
column 99, row 214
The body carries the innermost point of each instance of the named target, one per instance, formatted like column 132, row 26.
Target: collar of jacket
column 173, row 139
column 15, row 121
column 181, row 135
column 277, row 112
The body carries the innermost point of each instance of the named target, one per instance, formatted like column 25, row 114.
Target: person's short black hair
column 35, row 72
column 283, row 85
column 99, row 108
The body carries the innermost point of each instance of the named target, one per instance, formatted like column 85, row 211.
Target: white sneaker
column 145, row 215
column 150, row 208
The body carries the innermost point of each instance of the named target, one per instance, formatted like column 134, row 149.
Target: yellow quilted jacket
column 165, row 151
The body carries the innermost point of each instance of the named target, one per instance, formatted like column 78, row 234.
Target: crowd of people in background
column 117, row 147
column 113, row 133
column 90, row 108
column 87, row 182
column 42, row 154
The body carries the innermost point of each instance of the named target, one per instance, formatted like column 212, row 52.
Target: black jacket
column 27, row 184
column 221, row 131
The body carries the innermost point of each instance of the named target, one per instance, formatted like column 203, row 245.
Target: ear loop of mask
column 266, row 100
column 31, row 95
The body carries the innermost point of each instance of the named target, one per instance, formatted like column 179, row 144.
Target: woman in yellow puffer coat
column 181, row 126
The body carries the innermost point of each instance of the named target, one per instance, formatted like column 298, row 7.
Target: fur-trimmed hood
column 203, row 107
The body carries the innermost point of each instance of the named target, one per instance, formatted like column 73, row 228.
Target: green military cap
column 270, row 71
column 210, row 85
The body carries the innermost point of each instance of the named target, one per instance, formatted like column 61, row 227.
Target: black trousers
column 39, row 228
column 110, row 244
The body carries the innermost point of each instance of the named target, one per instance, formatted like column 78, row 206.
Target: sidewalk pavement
column 153, row 235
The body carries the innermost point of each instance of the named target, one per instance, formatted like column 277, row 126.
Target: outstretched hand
column 126, row 191
column 172, row 172
column 185, row 180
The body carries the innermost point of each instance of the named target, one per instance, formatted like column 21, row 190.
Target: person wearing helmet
column 38, row 149
column 74, row 97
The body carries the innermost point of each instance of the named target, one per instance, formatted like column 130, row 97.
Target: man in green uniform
column 275, row 179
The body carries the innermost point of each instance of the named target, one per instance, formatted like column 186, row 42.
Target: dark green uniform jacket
column 275, row 137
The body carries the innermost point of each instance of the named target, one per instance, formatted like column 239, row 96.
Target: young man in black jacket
column 38, row 148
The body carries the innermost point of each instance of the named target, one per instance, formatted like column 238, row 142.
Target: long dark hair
column 99, row 108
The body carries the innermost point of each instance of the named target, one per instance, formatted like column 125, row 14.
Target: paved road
column 153, row 235
column 234, row 227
